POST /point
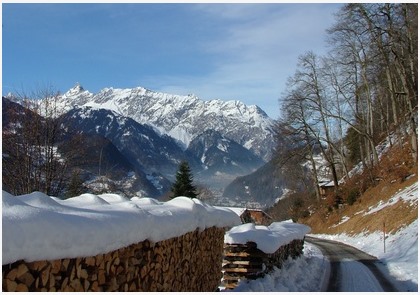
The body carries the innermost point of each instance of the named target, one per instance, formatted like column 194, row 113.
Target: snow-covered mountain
column 218, row 152
column 140, row 144
column 182, row 117
column 156, row 131
column 223, row 159
column 210, row 155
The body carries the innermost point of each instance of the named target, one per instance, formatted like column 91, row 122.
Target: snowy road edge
column 327, row 270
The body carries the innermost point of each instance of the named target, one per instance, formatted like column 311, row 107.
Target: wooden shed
column 325, row 187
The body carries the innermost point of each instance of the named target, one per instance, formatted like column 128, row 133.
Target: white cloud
column 256, row 51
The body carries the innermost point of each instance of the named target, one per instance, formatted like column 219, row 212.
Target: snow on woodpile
column 268, row 238
column 39, row 227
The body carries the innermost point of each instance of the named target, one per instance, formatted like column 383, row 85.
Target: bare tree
column 310, row 75
column 362, row 91
column 377, row 44
column 350, row 40
column 296, row 131
column 32, row 161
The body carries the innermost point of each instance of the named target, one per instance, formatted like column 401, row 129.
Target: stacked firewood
column 191, row 262
column 242, row 261
column 246, row 261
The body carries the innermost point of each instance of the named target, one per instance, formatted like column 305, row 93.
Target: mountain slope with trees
column 46, row 154
column 363, row 90
column 357, row 106
column 340, row 106
column 395, row 171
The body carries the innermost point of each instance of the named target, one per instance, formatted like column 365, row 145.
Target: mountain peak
column 76, row 95
column 76, row 88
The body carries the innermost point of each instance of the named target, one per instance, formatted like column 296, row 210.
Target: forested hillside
column 349, row 105
column 365, row 190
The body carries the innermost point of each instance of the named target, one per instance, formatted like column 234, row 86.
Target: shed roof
column 326, row 183
column 237, row 210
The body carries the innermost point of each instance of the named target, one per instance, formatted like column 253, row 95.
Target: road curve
column 351, row 269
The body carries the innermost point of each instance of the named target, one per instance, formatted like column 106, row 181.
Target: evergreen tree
column 75, row 187
column 183, row 185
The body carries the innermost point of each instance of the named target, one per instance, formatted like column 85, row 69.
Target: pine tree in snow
column 183, row 185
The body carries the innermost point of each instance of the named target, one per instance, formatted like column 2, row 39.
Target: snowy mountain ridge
column 182, row 117
column 154, row 157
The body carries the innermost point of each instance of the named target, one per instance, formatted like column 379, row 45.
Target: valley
column 141, row 136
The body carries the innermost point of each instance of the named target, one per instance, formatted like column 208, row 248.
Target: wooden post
column 384, row 237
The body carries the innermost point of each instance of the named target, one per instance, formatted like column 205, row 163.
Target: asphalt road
column 351, row 270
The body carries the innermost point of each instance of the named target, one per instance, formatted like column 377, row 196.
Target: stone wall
column 192, row 262
column 246, row 261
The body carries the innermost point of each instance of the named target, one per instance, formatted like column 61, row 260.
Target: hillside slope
column 265, row 186
column 380, row 207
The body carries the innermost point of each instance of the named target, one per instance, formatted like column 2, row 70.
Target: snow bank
column 303, row 274
column 39, row 227
column 268, row 238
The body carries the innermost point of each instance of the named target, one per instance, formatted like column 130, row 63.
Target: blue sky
column 216, row 51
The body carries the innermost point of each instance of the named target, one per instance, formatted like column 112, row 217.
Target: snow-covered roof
column 326, row 183
column 268, row 238
column 239, row 211
column 39, row 227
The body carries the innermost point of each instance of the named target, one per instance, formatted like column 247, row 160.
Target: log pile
column 241, row 261
column 191, row 262
column 246, row 261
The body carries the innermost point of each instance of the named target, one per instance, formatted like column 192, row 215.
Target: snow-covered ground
column 400, row 257
column 307, row 273
column 38, row 227
column 304, row 274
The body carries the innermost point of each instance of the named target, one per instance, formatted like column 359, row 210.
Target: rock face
column 192, row 262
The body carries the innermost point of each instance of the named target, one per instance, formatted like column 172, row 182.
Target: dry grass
column 393, row 217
